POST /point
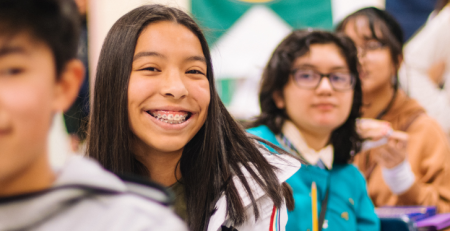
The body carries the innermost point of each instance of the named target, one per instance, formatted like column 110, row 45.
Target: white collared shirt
column 326, row 154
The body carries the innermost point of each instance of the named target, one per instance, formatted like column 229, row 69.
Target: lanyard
column 323, row 207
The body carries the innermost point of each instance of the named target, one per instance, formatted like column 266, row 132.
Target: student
column 412, row 171
column 39, row 76
column 156, row 113
column 310, row 98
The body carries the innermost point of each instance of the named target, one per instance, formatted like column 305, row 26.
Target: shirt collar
column 291, row 132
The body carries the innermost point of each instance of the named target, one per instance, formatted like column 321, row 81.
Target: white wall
column 342, row 8
column 104, row 13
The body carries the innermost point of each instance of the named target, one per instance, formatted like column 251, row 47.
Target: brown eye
column 373, row 45
column 195, row 72
column 149, row 69
column 11, row 71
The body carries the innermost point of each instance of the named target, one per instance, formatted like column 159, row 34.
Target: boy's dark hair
column 56, row 23
column 344, row 139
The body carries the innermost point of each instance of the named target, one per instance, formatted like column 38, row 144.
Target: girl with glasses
column 310, row 98
column 405, row 170
column 156, row 113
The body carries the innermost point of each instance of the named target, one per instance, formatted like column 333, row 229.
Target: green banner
column 243, row 33
column 217, row 16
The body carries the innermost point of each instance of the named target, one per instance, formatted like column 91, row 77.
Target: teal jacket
column 349, row 206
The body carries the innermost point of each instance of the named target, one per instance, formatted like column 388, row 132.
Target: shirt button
column 344, row 215
column 351, row 201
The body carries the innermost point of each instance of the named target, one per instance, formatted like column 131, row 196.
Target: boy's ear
column 278, row 99
column 68, row 85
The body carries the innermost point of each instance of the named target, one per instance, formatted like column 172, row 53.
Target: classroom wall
column 103, row 14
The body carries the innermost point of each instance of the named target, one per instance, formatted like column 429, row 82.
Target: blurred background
column 241, row 35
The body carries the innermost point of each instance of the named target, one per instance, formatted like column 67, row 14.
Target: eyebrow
column 156, row 54
column 312, row 66
column 148, row 53
column 4, row 51
column 197, row 58
column 369, row 38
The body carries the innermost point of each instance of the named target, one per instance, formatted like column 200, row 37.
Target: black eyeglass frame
column 362, row 50
column 352, row 79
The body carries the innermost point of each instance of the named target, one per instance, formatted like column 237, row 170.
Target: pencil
column 315, row 222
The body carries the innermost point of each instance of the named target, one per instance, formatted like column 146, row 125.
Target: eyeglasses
column 371, row 45
column 309, row 79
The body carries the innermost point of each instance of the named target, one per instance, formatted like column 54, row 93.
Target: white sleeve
column 426, row 48
column 400, row 178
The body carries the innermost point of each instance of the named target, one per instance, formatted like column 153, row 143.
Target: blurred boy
column 39, row 76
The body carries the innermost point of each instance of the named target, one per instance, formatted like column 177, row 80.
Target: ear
column 68, row 85
column 278, row 99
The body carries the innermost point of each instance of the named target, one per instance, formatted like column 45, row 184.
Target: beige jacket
column 428, row 155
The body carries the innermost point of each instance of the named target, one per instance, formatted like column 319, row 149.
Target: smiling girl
column 156, row 113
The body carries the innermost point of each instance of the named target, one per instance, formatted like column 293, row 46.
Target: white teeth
column 170, row 119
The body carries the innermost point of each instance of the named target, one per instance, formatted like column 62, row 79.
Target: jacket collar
column 403, row 105
column 295, row 137
column 286, row 165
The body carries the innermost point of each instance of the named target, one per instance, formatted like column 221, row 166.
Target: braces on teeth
column 171, row 119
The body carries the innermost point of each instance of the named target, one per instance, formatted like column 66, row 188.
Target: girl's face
column 377, row 66
column 168, row 93
column 321, row 109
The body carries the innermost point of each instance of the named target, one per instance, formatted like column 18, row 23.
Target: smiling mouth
column 329, row 106
column 171, row 117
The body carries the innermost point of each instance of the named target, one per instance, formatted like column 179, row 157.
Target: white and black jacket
column 270, row 218
column 87, row 197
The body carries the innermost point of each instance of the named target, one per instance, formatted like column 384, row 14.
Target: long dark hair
column 344, row 139
column 391, row 32
column 209, row 161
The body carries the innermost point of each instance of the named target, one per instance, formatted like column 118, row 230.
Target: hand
column 436, row 72
column 372, row 129
column 394, row 152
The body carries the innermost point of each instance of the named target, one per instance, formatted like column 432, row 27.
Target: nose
column 324, row 87
column 173, row 85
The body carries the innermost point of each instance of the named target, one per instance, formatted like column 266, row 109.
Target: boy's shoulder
column 87, row 197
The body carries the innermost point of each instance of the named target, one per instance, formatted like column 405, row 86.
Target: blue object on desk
column 403, row 218
column 401, row 223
